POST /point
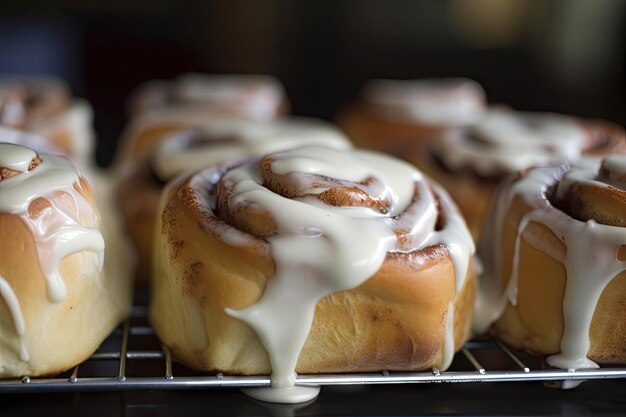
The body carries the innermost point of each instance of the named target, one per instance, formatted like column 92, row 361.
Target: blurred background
column 552, row 55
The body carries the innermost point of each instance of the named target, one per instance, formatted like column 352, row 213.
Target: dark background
column 557, row 55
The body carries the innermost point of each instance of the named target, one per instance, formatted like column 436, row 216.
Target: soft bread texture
column 370, row 129
column 535, row 324
column 59, row 335
column 137, row 197
column 396, row 320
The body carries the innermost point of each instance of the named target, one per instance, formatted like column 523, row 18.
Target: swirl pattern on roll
column 222, row 140
column 583, row 212
column 329, row 218
column 506, row 141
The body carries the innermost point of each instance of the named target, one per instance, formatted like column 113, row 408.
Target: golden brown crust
column 396, row 320
column 58, row 335
column 147, row 139
column 137, row 199
column 370, row 129
column 471, row 194
column 604, row 203
column 536, row 323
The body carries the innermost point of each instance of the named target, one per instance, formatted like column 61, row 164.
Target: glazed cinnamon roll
column 469, row 162
column 63, row 287
column 311, row 260
column 555, row 264
column 399, row 116
column 45, row 106
column 256, row 97
column 201, row 144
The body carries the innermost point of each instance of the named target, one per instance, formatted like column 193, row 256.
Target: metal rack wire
column 478, row 361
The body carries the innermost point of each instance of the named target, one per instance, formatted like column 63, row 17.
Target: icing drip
column 6, row 292
column 320, row 248
column 590, row 259
column 510, row 141
column 448, row 102
column 175, row 154
column 57, row 221
column 59, row 233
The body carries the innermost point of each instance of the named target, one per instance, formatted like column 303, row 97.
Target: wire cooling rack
column 132, row 358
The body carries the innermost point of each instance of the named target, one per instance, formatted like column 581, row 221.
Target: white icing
column 286, row 395
column 15, row 111
column 245, row 138
column 590, row 259
column 255, row 96
column 319, row 249
column 75, row 119
column 511, row 141
column 460, row 244
column 58, row 230
column 6, row 292
column 16, row 158
column 615, row 166
column 448, row 102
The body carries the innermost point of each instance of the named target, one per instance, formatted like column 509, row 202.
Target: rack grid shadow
column 132, row 358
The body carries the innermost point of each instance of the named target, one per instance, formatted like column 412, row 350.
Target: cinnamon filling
column 602, row 199
column 6, row 173
column 333, row 192
column 253, row 219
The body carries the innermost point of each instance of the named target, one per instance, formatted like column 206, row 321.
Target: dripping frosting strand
column 319, row 248
column 56, row 225
column 590, row 258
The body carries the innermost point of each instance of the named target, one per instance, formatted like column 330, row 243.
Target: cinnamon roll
column 469, row 162
column 555, row 264
column 62, row 289
column 45, row 106
column 399, row 116
column 256, row 97
column 201, row 144
column 311, row 260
